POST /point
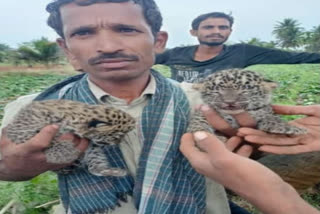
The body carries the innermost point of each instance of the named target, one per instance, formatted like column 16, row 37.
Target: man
column 212, row 30
column 115, row 44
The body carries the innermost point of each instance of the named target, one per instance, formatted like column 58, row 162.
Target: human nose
column 107, row 42
column 215, row 30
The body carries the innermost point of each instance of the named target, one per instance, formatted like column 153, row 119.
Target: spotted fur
column 234, row 91
column 100, row 124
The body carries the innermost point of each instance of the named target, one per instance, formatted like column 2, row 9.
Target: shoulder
column 182, row 49
column 194, row 96
column 239, row 46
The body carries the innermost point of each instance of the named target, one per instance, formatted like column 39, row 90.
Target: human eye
column 207, row 27
column 82, row 32
column 224, row 27
column 126, row 29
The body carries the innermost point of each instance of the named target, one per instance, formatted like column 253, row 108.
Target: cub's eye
column 97, row 123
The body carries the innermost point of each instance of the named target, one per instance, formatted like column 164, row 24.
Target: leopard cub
column 233, row 91
column 101, row 125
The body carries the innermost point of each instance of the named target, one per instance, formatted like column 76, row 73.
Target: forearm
column 282, row 198
column 267, row 191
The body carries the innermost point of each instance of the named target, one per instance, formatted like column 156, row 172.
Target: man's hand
column 283, row 144
column 218, row 123
column 208, row 155
column 27, row 160
column 248, row 178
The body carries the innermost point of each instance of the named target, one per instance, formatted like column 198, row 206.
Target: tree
column 257, row 42
column 288, row 33
column 4, row 49
column 312, row 40
column 39, row 51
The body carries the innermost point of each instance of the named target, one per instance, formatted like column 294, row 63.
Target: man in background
column 212, row 30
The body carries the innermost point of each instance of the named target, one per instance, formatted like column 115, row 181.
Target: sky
column 25, row 20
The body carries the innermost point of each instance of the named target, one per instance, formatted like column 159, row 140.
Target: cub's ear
column 269, row 85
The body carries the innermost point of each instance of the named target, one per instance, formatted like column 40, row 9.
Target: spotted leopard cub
column 100, row 124
column 234, row 91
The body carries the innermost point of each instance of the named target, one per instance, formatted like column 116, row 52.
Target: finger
column 297, row 149
column 209, row 143
column 245, row 150
column 70, row 138
column 42, row 140
column 245, row 120
column 313, row 110
column 307, row 121
column 233, row 143
column 272, row 140
column 187, row 146
column 83, row 145
column 249, row 131
column 4, row 139
column 217, row 121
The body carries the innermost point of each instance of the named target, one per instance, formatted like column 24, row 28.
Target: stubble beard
column 213, row 44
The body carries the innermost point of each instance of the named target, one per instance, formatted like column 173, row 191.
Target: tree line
column 40, row 51
column 291, row 36
column 288, row 33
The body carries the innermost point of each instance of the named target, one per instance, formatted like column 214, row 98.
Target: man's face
column 213, row 31
column 110, row 41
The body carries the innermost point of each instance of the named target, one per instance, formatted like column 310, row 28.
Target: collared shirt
column 130, row 145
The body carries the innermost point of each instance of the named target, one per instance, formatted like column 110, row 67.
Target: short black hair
column 150, row 10
column 196, row 22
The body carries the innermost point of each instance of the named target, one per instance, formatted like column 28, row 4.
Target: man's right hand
column 27, row 160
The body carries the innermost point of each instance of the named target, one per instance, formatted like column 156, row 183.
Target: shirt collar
column 101, row 94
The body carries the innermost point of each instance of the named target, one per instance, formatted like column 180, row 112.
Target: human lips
column 114, row 63
column 215, row 36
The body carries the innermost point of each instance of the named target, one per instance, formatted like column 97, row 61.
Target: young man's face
column 213, row 31
column 110, row 41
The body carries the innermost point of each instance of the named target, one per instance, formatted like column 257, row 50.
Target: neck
column 205, row 52
column 127, row 89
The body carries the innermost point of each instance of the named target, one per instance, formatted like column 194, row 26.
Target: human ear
column 160, row 41
column 194, row 33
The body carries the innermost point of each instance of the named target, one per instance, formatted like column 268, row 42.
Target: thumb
column 209, row 143
column 41, row 140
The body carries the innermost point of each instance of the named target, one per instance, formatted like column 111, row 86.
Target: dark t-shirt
column 185, row 68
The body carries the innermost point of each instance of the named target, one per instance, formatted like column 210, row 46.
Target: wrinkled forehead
column 126, row 13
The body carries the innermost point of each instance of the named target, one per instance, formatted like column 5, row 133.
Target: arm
column 282, row 144
column 249, row 179
column 259, row 55
column 18, row 161
column 24, row 161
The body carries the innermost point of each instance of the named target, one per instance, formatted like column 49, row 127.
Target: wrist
column 7, row 175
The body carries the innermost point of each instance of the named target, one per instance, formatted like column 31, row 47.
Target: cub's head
column 233, row 91
column 107, row 125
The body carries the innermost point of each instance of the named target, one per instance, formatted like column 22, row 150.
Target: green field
column 298, row 84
